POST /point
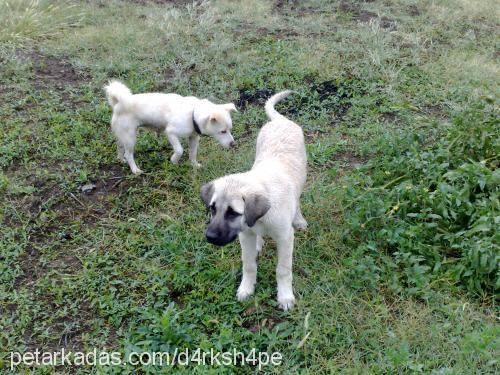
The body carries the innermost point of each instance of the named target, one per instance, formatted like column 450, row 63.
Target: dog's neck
column 196, row 126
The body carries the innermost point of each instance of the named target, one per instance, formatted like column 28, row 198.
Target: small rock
column 87, row 188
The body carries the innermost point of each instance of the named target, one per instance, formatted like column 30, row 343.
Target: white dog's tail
column 117, row 92
column 271, row 102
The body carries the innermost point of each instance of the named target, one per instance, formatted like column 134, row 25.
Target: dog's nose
column 232, row 144
column 212, row 236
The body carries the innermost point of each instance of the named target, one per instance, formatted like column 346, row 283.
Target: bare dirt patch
column 342, row 161
column 162, row 83
column 69, row 339
column 413, row 11
column 73, row 338
column 38, row 240
column 53, row 72
column 280, row 4
column 295, row 7
column 50, row 239
column 388, row 116
column 330, row 95
column 52, row 212
column 362, row 15
column 366, row 16
column 349, row 159
column 176, row 295
column 252, row 32
column 256, row 325
column 325, row 91
column 29, row 264
column 253, row 97
column 432, row 109
column 328, row 89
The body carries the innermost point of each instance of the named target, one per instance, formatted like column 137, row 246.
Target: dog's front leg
column 176, row 145
column 194, row 140
column 286, row 298
column 249, row 253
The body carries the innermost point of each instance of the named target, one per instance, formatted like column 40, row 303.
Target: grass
column 28, row 20
column 380, row 85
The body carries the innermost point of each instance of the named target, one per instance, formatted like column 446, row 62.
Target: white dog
column 174, row 115
column 263, row 202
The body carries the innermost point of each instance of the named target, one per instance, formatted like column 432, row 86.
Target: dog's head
column 232, row 209
column 217, row 122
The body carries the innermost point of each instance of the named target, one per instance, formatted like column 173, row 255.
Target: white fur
column 278, row 174
column 170, row 114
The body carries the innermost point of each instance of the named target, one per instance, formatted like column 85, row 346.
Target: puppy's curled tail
column 117, row 92
column 271, row 102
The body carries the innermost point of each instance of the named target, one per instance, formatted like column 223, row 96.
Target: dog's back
column 282, row 141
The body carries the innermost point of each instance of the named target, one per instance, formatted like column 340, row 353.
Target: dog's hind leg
column 125, row 131
column 120, row 152
column 117, row 130
column 176, row 144
column 248, row 243
column 129, row 157
column 299, row 223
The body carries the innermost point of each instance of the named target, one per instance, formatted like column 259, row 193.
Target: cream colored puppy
column 173, row 115
column 263, row 202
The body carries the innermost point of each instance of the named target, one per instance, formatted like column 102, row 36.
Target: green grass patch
column 23, row 21
column 431, row 202
column 398, row 270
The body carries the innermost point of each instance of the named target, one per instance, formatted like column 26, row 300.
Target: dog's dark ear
column 256, row 206
column 207, row 191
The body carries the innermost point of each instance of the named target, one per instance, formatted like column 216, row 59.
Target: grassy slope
column 82, row 271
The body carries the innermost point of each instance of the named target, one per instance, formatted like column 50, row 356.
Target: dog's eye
column 231, row 214
column 223, row 132
column 213, row 210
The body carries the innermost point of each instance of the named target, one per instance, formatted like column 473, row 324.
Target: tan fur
column 277, row 176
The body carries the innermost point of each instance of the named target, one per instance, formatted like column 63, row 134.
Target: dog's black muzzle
column 215, row 237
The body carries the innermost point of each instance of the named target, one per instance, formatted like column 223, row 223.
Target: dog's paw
column 136, row 171
column 244, row 291
column 195, row 164
column 299, row 224
column 175, row 158
column 286, row 302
